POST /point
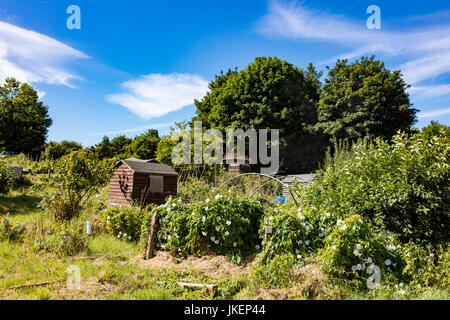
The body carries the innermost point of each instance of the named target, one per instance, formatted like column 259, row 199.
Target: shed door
column 156, row 184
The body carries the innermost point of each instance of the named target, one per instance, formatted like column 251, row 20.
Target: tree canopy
column 24, row 120
column 364, row 99
column 268, row 94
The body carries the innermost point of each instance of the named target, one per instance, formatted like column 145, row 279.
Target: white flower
column 107, row 222
column 401, row 284
column 402, row 292
column 227, row 233
column 358, row 267
column 301, row 217
column 308, row 228
column 216, row 242
column 344, row 227
column 228, row 222
column 390, row 247
column 387, row 262
column 307, row 242
column 203, row 219
column 234, row 244
column 320, row 235
column 356, row 253
column 107, row 218
column 369, row 260
column 333, row 247
column 206, row 209
column 353, row 268
column 257, row 247
column 339, row 222
column 212, row 238
column 204, row 233
column 125, row 235
column 299, row 256
column 358, row 246
column 327, row 214
column 129, row 237
column 118, row 236
column 217, row 196
column 270, row 218
column 207, row 200
column 297, row 251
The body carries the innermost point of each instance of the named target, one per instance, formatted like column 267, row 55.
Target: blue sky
column 135, row 65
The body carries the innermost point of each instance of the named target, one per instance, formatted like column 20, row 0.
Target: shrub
column 353, row 250
column 295, row 231
column 76, row 178
column 7, row 177
column 401, row 186
column 225, row 225
column 11, row 231
column 427, row 266
column 125, row 223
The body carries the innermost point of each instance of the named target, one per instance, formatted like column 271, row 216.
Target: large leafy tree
column 364, row 99
column 55, row 150
column 24, row 120
column 145, row 146
column 269, row 94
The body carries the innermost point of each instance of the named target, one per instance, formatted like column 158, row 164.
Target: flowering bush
column 125, row 223
column 402, row 186
column 296, row 231
column 353, row 249
column 76, row 177
column 223, row 225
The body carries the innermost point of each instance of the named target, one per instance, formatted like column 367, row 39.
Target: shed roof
column 302, row 178
column 148, row 166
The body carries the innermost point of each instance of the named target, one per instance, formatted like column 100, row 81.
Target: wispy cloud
column 132, row 130
column 430, row 91
column 426, row 50
column 433, row 113
column 155, row 95
column 33, row 57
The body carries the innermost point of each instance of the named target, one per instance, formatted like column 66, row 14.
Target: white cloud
column 430, row 91
column 155, row 95
column 426, row 50
column 33, row 57
column 138, row 129
column 433, row 113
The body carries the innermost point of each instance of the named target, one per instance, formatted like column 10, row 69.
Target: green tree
column 56, row 150
column 144, row 146
column 269, row 94
column 435, row 129
column 364, row 99
column 24, row 121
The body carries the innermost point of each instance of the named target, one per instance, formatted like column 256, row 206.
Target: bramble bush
column 353, row 249
column 76, row 177
column 402, row 186
column 297, row 231
column 223, row 225
column 7, row 177
column 125, row 223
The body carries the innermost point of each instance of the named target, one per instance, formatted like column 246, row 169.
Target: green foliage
column 402, row 187
column 224, row 225
column 56, row 150
column 76, row 177
column 125, row 223
column 144, row 146
column 268, row 93
column 427, row 266
column 435, row 129
column 164, row 150
column 7, row 175
column 364, row 99
column 298, row 232
column 353, row 249
column 278, row 273
column 11, row 231
column 24, row 120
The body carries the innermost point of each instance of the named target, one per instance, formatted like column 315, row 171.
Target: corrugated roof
column 149, row 166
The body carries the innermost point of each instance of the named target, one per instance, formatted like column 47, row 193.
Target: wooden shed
column 141, row 181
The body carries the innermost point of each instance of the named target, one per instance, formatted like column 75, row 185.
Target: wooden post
column 267, row 230
column 48, row 173
column 151, row 243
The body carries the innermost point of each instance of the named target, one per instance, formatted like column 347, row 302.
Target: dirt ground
column 213, row 266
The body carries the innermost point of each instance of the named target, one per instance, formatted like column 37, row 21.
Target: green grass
column 109, row 246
